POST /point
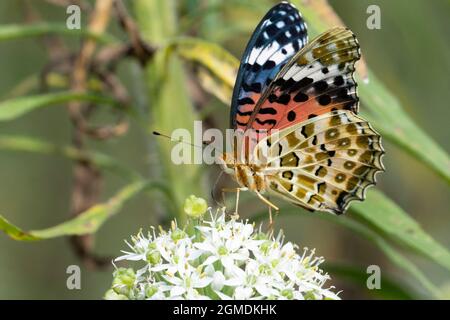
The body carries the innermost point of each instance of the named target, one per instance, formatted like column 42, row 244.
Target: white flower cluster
column 220, row 260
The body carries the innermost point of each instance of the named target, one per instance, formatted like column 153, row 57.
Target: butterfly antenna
column 156, row 133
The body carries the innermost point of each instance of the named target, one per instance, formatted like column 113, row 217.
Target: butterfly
column 316, row 152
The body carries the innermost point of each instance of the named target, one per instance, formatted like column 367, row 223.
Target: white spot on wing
column 254, row 54
column 280, row 24
column 291, row 71
column 267, row 53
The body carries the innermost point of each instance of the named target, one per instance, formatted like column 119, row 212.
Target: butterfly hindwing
column 323, row 163
column 317, row 80
column 280, row 34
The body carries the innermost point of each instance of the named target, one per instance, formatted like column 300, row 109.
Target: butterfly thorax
column 246, row 175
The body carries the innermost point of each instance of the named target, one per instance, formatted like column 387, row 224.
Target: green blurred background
column 410, row 54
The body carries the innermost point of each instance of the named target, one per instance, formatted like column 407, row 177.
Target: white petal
column 218, row 280
column 222, row 295
column 329, row 294
column 209, row 270
column 264, row 290
column 202, row 282
column 243, row 293
column 237, row 272
column 173, row 280
column 159, row 268
column 177, row 291
column 241, row 255
column 204, row 230
column 252, row 267
column 234, row 282
column 165, row 253
column 227, row 262
column 247, row 230
column 194, row 254
column 141, row 271
column 210, row 260
column 131, row 257
column 205, row 246
column 232, row 245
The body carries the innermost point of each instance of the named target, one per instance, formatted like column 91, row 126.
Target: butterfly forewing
column 280, row 34
column 317, row 80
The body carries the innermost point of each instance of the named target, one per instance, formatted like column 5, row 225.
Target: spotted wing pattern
column 322, row 163
column 280, row 34
column 317, row 80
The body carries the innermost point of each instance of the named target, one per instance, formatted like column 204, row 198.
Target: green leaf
column 87, row 222
column 16, row 107
column 391, row 253
column 15, row 31
column 221, row 67
column 388, row 219
column 390, row 288
column 170, row 107
column 14, row 232
column 393, row 123
column 35, row 145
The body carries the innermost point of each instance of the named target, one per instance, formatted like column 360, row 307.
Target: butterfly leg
column 271, row 219
column 237, row 190
column 271, row 206
column 237, row 203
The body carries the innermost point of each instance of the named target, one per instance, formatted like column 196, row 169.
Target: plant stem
column 167, row 92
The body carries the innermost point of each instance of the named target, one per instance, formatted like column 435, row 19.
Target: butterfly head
column 227, row 163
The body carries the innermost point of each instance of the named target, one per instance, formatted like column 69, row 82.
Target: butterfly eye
column 222, row 160
column 227, row 162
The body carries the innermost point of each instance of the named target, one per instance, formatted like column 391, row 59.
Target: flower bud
column 153, row 257
column 150, row 291
column 112, row 295
column 195, row 207
column 123, row 281
column 287, row 293
column 178, row 234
